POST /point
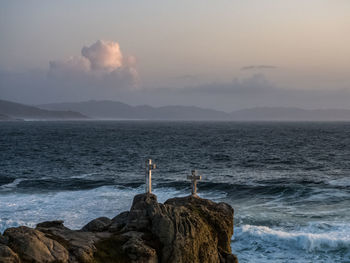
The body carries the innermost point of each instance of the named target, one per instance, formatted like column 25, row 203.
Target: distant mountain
column 118, row 110
column 12, row 110
column 4, row 117
column 290, row 114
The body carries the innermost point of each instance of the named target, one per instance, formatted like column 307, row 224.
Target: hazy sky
column 219, row 54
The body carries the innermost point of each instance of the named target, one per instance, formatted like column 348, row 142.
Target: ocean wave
column 277, row 192
column 332, row 240
column 57, row 184
column 343, row 182
column 11, row 185
column 83, row 176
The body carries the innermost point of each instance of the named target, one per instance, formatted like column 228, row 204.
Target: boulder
column 55, row 223
column 97, row 225
column 119, row 221
column 32, row 246
column 217, row 217
column 81, row 245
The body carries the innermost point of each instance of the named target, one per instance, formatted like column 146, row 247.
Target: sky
column 226, row 54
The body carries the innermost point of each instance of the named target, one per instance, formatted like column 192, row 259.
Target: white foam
column 82, row 176
column 76, row 208
column 308, row 239
column 11, row 185
column 340, row 182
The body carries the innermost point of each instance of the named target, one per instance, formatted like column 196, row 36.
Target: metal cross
column 148, row 177
column 194, row 177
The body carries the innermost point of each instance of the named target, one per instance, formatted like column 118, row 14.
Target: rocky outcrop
column 33, row 246
column 187, row 229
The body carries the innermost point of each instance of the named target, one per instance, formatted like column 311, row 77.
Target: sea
column 288, row 182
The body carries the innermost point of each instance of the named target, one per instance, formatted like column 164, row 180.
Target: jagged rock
column 142, row 210
column 190, row 229
column 81, row 245
column 97, row 225
column 7, row 255
column 187, row 229
column 217, row 218
column 137, row 250
column 32, row 246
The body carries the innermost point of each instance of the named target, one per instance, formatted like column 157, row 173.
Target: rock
column 187, row 229
column 190, row 229
column 131, row 246
column 97, row 225
column 219, row 218
column 143, row 208
column 3, row 240
column 56, row 223
column 32, row 246
column 110, row 250
column 119, row 222
column 7, row 255
column 137, row 250
column 81, row 245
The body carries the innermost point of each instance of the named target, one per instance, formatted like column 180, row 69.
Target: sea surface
column 289, row 183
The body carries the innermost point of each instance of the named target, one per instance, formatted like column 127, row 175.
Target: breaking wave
column 11, row 185
column 332, row 240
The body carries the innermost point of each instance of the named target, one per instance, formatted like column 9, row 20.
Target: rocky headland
column 187, row 229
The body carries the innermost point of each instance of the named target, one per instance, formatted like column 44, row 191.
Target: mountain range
column 120, row 111
column 15, row 111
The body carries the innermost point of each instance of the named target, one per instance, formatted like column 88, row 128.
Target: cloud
column 258, row 67
column 101, row 64
column 104, row 55
column 70, row 66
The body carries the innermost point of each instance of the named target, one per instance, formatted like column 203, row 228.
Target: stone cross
column 148, row 177
column 194, row 177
